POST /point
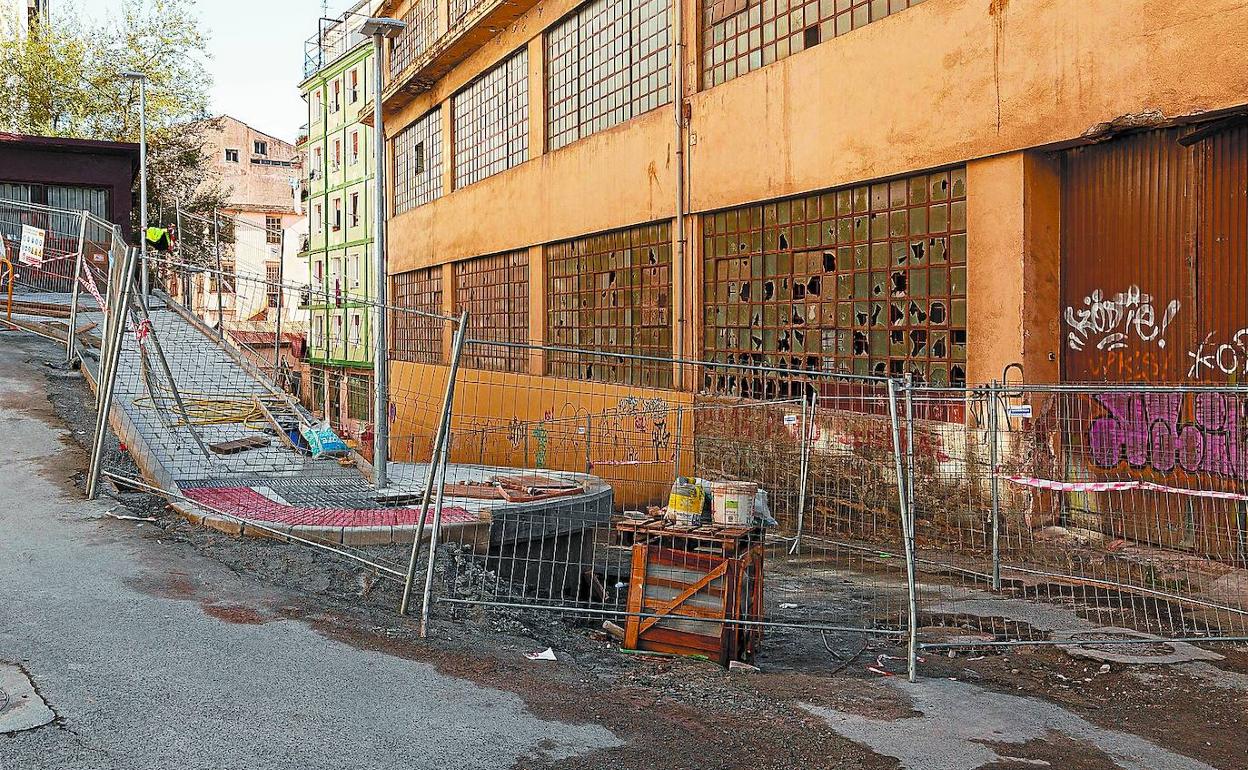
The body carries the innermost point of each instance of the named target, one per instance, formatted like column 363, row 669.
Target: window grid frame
column 878, row 250
column 491, row 121
column 415, row 186
column 494, row 289
column 417, row 337
column 637, row 318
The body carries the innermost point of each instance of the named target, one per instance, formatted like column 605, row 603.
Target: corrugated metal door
column 1127, row 259
column 1155, row 258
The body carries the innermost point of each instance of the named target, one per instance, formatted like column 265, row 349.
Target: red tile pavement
column 247, row 503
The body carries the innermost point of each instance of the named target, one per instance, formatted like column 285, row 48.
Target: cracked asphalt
column 141, row 680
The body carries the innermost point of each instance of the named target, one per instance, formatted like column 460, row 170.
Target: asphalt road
column 140, row 678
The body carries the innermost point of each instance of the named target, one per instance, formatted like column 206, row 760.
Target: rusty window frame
column 607, row 62
column 867, row 280
column 418, row 162
column 417, row 337
column 494, row 290
column 491, row 117
column 457, row 10
column 766, row 31
column 611, row 293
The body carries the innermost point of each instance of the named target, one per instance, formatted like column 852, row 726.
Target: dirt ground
column 685, row 713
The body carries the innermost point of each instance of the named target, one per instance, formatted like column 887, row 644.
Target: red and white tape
column 1121, row 486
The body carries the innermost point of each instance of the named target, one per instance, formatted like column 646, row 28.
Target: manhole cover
column 21, row 708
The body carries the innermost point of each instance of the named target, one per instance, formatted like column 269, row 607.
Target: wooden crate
column 695, row 580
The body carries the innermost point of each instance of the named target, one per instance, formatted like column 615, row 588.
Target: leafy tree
column 64, row 78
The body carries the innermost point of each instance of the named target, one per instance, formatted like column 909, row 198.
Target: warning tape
column 88, row 281
column 142, row 330
column 1121, row 486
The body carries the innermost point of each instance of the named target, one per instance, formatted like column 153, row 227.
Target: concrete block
column 367, row 535
column 230, row 527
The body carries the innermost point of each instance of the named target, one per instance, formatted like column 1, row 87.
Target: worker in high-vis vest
column 158, row 238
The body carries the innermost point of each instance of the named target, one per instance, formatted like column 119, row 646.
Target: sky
column 257, row 57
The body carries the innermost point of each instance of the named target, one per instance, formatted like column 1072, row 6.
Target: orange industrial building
column 936, row 187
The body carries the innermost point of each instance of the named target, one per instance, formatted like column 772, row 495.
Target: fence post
column 678, row 436
column 803, row 467
column 436, row 528
column 277, row 334
column 444, row 424
column 216, row 244
column 910, row 442
column 907, row 537
column 994, row 424
column 73, row 293
column 589, row 463
column 110, row 352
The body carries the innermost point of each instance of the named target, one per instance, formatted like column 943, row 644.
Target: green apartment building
column 338, row 71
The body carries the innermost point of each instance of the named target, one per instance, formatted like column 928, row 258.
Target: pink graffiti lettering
column 1144, row 429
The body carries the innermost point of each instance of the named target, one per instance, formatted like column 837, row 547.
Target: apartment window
column 740, row 36
column 495, row 292
column 337, row 214
column 417, row 336
column 273, row 230
column 418, row 163
column 318, row 219
column 335, row 103
column 610, row 293
column 337, row 154
column 355, row 332
column 317, row 164
column 260, row 148
column 867, row 280
column 228, row 275
column 316, row 106
column 421, row 30
column 492, row 121
column 318, row 271
column 231, row 156
column 272, row 281
column 355, row 147
column 353, row 93
column 355, row 209
column 606, row 63
column 359, row 395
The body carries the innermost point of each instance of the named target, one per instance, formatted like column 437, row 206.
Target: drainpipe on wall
column 678, row 103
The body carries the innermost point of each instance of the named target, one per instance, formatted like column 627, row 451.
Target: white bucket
column 732, row 502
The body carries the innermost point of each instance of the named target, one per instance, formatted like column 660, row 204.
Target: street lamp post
column 379, row 29
column 142, row 79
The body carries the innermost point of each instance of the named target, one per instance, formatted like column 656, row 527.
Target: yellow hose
column 205, row 409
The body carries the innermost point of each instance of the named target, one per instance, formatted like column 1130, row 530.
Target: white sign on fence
column 31, row 252
column 1018, row 410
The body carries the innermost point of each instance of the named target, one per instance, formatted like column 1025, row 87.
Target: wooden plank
column 268, row 415
column 636, row 595
column 668, row 606
column 239, row 445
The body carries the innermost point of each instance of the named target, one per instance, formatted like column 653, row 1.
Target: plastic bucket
column 732, row 502
column 685, row 502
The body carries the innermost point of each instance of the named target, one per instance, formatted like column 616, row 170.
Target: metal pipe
column 1081, row 642
column 143, row 185
column 73, row 312
column 907, row 537
column 216, row 244
column 281, row 291
column 444, row 423
column 678, row 105
column 381, row 369
column 173, row 385
column 108, row 383
column 994, row 424
column 910, row 442
column 802, row 469
column 436, row 529
column 717, row 621
column 73, row 294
